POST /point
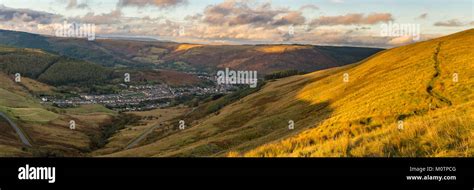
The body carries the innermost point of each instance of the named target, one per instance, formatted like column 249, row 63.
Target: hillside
column 268, row 58
column 191, row 57
column 399, row 102
column 402, row 102
column 45, row 126
column 49, row 68
column 58, row 70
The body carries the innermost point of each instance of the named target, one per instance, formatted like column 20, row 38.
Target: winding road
column 18, row 131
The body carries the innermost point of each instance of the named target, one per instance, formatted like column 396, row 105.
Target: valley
column 401, row 102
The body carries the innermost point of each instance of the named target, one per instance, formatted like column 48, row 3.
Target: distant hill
column 410, row 101
column 191, row 57
column 269, row 58
column 57, row 70
column 50, row 68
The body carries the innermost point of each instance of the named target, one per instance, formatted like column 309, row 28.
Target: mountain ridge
column 113, row 53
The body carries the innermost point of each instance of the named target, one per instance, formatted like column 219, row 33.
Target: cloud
column 348, row 37
column 309, row 6
column 26, row 15
column 114, row 17
column 337, row 1
column 239, row 21
column 422, row 16
column 449, row 23
column 294, row 17
column 157, row 3
column 234, row 13
column 352, row 19
column 402, row 40
column 73, row 4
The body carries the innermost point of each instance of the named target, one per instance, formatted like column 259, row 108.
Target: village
column 138, row 97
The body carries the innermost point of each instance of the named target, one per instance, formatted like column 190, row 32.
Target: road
column 141, row 137
column 20, row 133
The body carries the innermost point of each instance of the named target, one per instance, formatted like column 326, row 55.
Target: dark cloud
column 157, row 3
column 26, row 15
column 73, row 4
column 352, row 19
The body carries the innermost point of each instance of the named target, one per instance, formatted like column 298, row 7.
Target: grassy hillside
column 46, row 127
column 400, row 102
column 411, row 84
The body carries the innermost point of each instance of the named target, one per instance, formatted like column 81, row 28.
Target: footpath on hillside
column 430, row 88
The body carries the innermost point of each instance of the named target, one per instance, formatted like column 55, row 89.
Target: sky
column 318, row 22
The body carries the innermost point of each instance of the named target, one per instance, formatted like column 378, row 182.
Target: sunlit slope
column 411, row 85
column 402, row 102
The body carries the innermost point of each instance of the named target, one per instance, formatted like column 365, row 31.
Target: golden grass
column 389, row 87
column 281, row 48
column 184, row 47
